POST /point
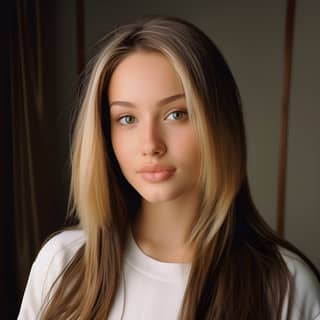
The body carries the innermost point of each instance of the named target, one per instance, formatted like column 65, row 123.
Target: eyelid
column 184, row 111
column 123, row 117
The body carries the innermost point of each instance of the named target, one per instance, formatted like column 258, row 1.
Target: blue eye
column 177, row 115
column 124, row 120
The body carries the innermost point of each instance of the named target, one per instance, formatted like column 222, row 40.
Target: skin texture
column 152, row 133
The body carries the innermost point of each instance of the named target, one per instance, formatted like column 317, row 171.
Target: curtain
column 28, row 165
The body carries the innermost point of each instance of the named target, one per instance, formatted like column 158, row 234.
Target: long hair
column 237, row 271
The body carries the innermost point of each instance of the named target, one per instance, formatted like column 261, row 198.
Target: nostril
column 154, row 150
column 151, row 141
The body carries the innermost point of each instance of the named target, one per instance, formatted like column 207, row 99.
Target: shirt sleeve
column 48, row 265
column 305, row 292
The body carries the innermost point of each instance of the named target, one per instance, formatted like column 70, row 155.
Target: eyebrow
column 160, row 103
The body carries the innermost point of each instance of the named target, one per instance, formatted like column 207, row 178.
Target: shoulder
column 304, row 297
column 56, row 254
column 51, row 260
column 61, row 247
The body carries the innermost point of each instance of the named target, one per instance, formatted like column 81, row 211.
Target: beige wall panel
column 303, row 175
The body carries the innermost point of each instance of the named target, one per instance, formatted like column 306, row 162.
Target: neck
column 162, row 230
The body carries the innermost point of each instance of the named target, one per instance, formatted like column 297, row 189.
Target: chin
column 159, row 197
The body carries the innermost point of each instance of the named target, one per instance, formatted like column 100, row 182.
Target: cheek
column 120, row 148
column 186, row 148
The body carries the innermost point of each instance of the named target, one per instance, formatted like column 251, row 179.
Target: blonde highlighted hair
column 230, row 236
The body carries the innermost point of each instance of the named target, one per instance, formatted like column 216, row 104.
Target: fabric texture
column 152, row 289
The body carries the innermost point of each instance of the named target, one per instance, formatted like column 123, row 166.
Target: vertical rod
column 80, row 35
column 289, row 33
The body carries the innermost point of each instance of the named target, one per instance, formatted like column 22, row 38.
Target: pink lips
column 156, row 173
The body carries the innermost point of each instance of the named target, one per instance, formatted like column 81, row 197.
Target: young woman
column 166, row 225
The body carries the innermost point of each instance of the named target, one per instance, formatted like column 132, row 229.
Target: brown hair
column 238, row 271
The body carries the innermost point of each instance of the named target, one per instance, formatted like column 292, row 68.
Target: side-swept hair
column 237, row 271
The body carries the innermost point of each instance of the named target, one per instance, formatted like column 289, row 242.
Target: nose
column 153, row 143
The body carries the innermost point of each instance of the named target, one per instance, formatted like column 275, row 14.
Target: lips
column 156, row 173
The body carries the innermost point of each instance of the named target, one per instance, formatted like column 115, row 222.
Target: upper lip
column 155, row 168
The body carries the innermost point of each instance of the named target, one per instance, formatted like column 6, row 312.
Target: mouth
column 156, row 173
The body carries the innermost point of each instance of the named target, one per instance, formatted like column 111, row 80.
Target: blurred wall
column 303, row 176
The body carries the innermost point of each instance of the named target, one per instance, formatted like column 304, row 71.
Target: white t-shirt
column 151, row 289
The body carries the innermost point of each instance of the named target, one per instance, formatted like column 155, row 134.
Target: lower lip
column 157, row 176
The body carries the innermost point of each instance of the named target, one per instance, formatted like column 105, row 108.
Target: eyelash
column 124, row 117
column 184, row 113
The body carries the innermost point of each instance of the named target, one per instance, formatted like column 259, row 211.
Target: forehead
column 144, row 76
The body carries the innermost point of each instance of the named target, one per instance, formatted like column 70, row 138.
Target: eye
column 177, row 115
column 124, row 120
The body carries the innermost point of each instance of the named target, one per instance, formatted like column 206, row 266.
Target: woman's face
column 152, row 137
